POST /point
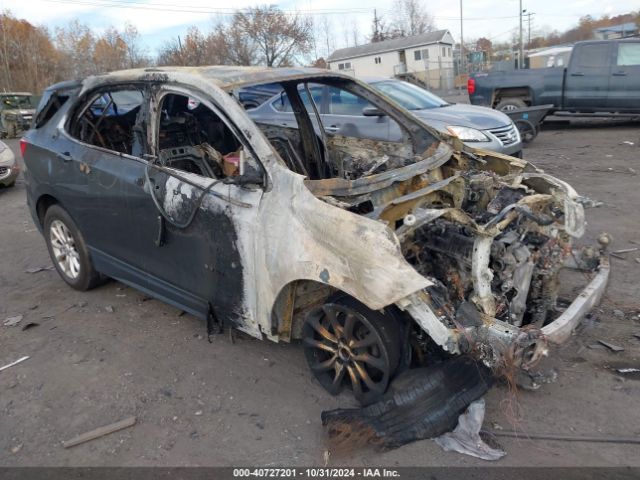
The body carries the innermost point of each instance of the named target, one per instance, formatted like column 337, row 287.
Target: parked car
column 9, row 167
column 16, row 112
column 477, row 126
column 372, row 253
column 255, row 95
column 602, row 76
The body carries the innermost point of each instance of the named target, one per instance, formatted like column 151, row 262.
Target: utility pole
column 181, row 54
column 528, row 15
column 521, row 55
column 462, row 69
column 376, row 31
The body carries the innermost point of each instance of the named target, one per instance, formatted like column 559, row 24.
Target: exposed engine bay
column 490, row 232
column 524, row 258
column 492, row 235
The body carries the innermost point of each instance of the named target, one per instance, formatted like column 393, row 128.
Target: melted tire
column 420, row 403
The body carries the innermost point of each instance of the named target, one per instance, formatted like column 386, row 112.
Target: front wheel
column 348, row 345
column 68, row 250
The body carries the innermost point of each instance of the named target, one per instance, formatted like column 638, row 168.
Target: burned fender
column 304, row 238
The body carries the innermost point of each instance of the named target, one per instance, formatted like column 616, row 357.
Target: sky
column 161, row 20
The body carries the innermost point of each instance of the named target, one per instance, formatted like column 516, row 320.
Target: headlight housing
column 467, row 134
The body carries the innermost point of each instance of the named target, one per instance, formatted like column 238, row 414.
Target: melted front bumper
column 495, row 340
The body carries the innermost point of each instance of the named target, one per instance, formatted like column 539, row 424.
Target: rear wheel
column 510, row 104
column 349, row 345
column 68, row 250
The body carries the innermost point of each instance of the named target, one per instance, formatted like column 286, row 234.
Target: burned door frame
column 193, row 239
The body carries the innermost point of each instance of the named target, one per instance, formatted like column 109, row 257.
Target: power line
column 197, row 9
column 169, row 7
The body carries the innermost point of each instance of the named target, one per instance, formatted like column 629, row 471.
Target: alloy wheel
column 64, row 249
column 343, row 348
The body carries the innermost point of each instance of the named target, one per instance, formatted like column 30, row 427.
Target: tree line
column 33, row 57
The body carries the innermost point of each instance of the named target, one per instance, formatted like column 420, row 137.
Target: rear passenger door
column 106, row 144
column 344, row 116
column 587, row 79
column 624, row 85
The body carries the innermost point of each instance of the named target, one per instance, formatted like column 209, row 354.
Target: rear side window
column 628, row 54
column 108, row 120
column 342, row 102
column 48, row 107
column 593, row 56
column 282, row 103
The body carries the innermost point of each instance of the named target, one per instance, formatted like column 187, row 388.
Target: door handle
column 65, row 157
column 332, row 128
column 619, row 74
column 577, row 74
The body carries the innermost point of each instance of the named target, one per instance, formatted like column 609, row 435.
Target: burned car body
column 370, row 252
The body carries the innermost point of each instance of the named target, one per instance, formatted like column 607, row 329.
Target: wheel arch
column 43, row 204
column 524, row 93
column 292, row 303
column 298, row 297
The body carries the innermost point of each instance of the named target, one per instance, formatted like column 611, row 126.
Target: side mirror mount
column 245, row 176
column 249, row 178
column 373, row 112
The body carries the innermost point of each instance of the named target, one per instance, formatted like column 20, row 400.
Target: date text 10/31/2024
column 316, row 473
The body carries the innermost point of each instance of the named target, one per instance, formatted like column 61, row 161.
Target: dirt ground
column 101, row 356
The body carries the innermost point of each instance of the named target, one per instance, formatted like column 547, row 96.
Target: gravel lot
column 101, row 356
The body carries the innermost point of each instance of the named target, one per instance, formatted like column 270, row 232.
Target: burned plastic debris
column 420, row 403
column 466, row 438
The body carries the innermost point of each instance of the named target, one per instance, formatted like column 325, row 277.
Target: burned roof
column 229, row 77
column 387, row 45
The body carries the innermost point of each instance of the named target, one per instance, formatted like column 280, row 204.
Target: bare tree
column 410, row 18
column 355, row 33
column 137, row 56
column 277, row 36
column 170, row 53
column 328, row 38
column 110, row 51
column 76, row 43
column 228, row 45
column 28, row 59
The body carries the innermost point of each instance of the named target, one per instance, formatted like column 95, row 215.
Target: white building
column 427, row 58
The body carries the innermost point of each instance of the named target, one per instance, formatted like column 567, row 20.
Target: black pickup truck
column 602, row 76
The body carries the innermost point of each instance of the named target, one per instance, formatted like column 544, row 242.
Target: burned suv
column 376, row 255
